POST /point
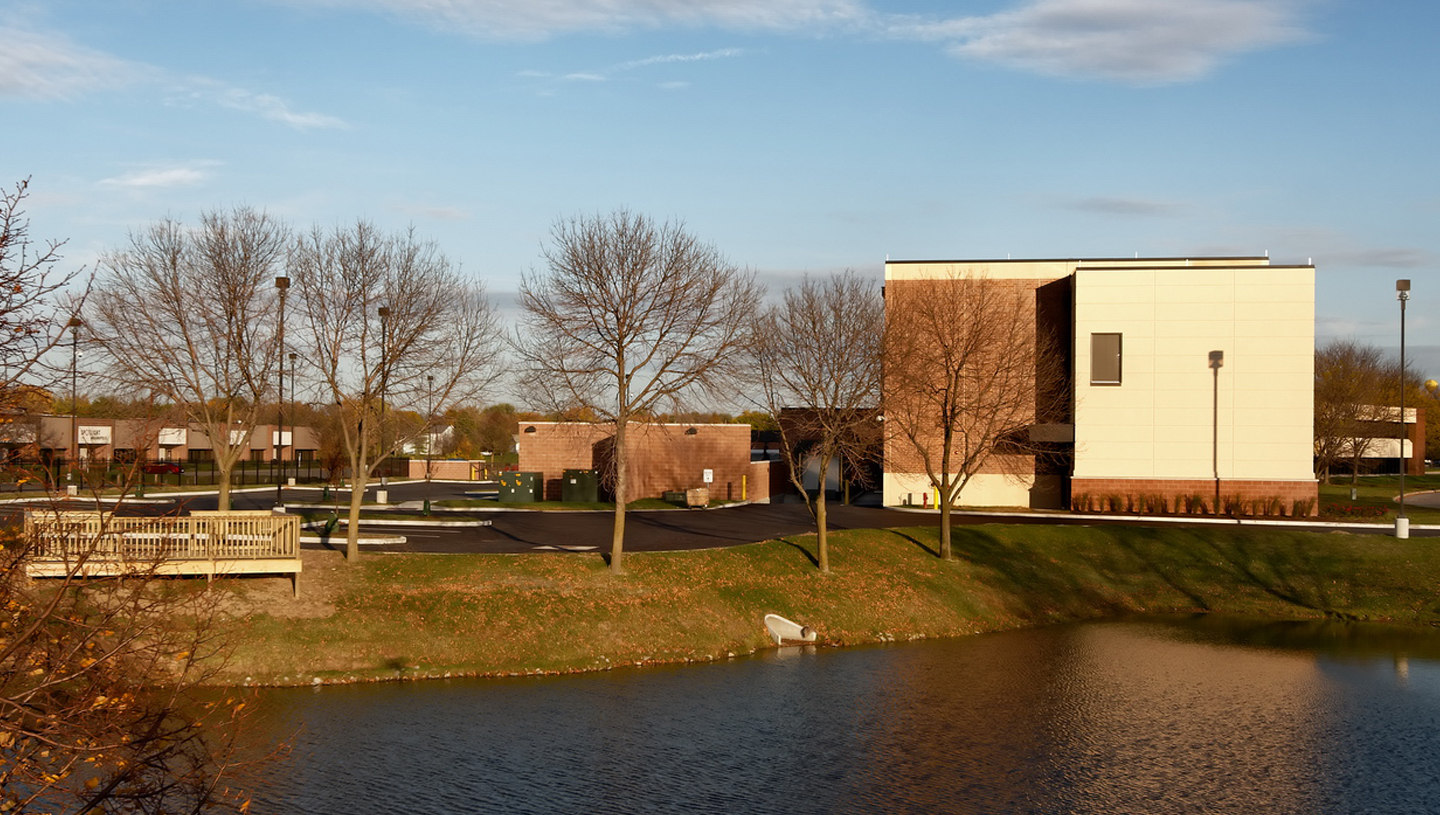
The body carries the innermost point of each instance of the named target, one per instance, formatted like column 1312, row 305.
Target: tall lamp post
column 282, row 283
column 294, row 450
column 429, row 434
column 1217, row 359
column 1402, row 523
column 384, row 312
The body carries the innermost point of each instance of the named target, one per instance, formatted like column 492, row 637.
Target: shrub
column 1301, row 507
column 1352, row 511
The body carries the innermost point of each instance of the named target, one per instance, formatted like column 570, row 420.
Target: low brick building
column 662, row 457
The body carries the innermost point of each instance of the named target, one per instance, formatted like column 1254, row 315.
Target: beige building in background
column 1150, row 415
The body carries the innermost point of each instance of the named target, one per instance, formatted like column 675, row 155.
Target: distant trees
column 629, row 318
column 1357, row 397
column 188, row 314
column 963, row 382
column 389, row 323
column 819, row 351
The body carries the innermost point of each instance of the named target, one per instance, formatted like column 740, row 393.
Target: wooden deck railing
column 202, row 543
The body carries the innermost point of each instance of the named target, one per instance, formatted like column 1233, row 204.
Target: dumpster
column 697, row 497
column 519, row 487
column 580, row 486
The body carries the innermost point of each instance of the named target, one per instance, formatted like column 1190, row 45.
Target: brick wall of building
column 662, row 458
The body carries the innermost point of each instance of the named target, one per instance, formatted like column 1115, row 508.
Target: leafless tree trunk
column 965, row 377
column 383, row 315
column 818, row 353
column 190, row 316
column 630, row 316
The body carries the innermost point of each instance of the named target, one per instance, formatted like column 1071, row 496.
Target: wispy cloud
column 542, row 19
column 1141, row 42
column 187, row 175
column 276, row 109
column 44, row 65
column 48, row 66
column 1129, row 207
column 666, row 59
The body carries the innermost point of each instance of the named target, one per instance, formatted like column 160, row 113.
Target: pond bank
column 392, row 617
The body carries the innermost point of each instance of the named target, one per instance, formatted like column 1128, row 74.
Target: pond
column 1152, row 715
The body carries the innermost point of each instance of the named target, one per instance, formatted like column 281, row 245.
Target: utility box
column 580, row 486
column 519, row 488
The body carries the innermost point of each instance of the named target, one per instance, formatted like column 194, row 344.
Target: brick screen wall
column 662, row 458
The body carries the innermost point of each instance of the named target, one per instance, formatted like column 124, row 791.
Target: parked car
column 164, row 468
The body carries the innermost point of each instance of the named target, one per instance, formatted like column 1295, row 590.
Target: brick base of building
column 1286, row 498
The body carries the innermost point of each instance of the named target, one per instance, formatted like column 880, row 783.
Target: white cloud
column 540, row 19
column 157, row 177
column 48, row 66
column 275, row 109
column 670, row 58
column 1141, row 42
column 585, row 76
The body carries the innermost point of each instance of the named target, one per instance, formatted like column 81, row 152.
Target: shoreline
column 421, row 617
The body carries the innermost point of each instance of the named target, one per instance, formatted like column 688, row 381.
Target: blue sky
column 803, row 136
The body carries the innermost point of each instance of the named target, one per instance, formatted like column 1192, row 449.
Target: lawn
column 390, row 616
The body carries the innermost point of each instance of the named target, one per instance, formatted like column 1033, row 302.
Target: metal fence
column 41, row 476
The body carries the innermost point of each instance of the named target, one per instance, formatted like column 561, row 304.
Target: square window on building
column 1104, row 359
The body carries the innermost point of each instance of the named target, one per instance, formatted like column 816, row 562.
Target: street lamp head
column 384, row 312
column 1403, row 287
column 1217, row 359
column 1431, row 385
column 282, row 283
column 75, row 322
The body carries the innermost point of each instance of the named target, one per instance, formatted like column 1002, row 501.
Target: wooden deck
column 208, row 544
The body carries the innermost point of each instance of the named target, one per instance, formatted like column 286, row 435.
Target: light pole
column 73, row 453
column 1402, row 523
column 384, row 312
column 1217, row 359
column 282, row 283
column 294, row 451
column 429, row 434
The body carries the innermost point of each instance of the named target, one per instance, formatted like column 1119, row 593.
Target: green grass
column 431, row 615
column 1380, row 491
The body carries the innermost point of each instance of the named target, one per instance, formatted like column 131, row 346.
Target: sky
column 798, row 137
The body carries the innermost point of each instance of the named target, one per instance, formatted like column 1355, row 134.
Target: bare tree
column 389, row 324
column 33, row 317
column 631, row 317
column 189, row 315
column 966, row 375
column 1356, row 388
column 96, row 676
column 818, row 354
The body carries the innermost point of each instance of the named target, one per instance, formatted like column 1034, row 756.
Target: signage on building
column 93, row 435
column 709, row 477
column 171, row 437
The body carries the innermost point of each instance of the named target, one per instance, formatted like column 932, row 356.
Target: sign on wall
column 171, row 436
column 93, row 435
column 709, row 476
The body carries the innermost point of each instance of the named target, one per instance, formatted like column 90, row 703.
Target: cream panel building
column 1149, row 413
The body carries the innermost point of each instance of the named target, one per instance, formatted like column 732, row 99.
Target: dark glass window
column 1104, row 359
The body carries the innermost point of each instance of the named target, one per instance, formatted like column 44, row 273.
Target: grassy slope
column 429, row 615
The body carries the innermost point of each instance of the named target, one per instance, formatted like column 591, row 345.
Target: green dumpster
column 580, row 486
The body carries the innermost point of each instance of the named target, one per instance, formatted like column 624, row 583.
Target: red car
column 164, row 468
